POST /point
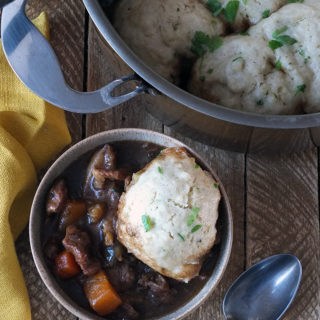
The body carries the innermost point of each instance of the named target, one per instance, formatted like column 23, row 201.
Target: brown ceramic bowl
column 66, row 160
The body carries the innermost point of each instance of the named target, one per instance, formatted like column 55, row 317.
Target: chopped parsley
column 160, row 170
column 265, row 14
column 196, row 166
column 215, row 7
column 301, row 88
column 273, row 44
column 147, row 223
column 280, row 39
column 181, row 236
column 196, row 228
column 237, row 58
column 278, row 65
column 192, row 217
column 201, row 43
column 230, row 11
column 303, row 54
column 216, row 185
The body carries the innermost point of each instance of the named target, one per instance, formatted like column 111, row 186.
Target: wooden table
column 275, row 201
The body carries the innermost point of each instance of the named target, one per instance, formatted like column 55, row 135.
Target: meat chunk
column 57, row 197
column 103, row 159
column 122, row 276
column 96, row 212
column 129, row 311
column 101, row 175
column 99, row 189
column 78, row 243
column 157, row 286
column 108, row 232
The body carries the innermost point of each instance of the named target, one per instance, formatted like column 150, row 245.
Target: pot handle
column 36, row 64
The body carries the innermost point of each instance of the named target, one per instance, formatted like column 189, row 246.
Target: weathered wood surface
column 274, row 201
column 282, row 217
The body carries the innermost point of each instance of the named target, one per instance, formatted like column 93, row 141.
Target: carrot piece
column 72, row 212
column 102, row 297
column 66, row 266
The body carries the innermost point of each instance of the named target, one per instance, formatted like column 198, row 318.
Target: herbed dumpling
column 249, row 12
column 241, row 75
column 272, row 70
column 161, row 31
column 167, row 217
column 301, row 59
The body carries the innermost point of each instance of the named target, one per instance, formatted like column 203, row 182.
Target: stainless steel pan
column 205, row 121
column 34, row 61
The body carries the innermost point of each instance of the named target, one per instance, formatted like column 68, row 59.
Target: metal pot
column 208, row 122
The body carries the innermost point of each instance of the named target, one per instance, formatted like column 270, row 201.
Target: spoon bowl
column 265, row 291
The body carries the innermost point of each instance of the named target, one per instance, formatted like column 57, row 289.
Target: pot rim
column 185, row 98
column 90, row 144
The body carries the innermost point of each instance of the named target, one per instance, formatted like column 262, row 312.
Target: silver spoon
column 265, row 291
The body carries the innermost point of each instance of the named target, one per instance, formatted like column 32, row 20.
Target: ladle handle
column 36, row 64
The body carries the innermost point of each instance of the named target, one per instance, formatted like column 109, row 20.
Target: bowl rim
column 90, row 144
column 185, row 98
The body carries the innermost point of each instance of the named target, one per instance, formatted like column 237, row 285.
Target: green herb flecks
column 147, row 223
column 278, row 65
column 160, row 170
column 196, row 228
column 201, row 43
column 215, row 7
column 300, row 89
column 265, row 14
column 192, row 217
column 237, row 58
column 280, row 39
column 230, row 11
column 181, row 236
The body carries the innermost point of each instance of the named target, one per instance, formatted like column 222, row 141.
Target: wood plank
column 282, row 217
column 67, row 21
column 230, row 167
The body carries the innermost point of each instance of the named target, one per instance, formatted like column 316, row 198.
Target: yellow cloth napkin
column 31, row 132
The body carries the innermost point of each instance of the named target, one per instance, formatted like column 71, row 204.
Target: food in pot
column 160, row 32
column 124, row 275
column 167, row 216
column 245, row 78
column 239, row 15
column 270, row 68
